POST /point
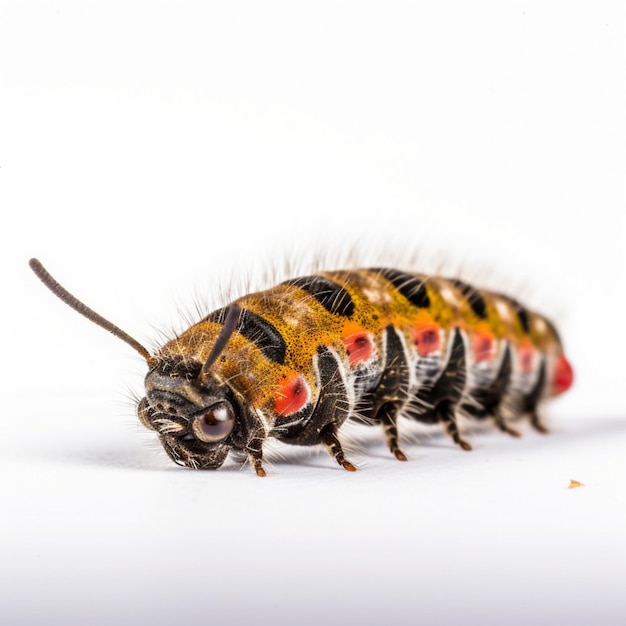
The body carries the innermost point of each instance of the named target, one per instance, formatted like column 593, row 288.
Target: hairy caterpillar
column 296, row 361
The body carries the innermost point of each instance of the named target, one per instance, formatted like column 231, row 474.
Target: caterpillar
column 296, row 361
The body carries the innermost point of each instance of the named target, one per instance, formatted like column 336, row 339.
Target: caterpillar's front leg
column 254, row 450
column 329, row 439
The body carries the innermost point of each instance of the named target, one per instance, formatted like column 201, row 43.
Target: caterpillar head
column 197, row 420
column 197, row 417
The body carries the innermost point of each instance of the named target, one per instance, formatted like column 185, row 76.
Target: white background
column 150, row 151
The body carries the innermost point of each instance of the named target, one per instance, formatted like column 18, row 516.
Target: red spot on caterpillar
column 483, row 347
column 563, row 376
column 359, row 347
column 526, row 354
column 292, row 395
column 427, row 339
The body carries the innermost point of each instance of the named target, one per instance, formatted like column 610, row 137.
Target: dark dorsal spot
column 522, row 315
column 412, row 288
column 258, row 331
column 473, row 297
column 334, row 298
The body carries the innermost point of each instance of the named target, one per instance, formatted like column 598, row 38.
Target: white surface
column 149, row 150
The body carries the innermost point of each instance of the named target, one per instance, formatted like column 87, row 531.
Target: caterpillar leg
column 388, row 415
column 328, row 437
column 330, row 411
column 445, row 412
column 535, row 422
column 388, row 399
column 254, row 450
column 497, row 391
column 488, row 400
column 447, row 393
column 500, row 422
column 532, row 400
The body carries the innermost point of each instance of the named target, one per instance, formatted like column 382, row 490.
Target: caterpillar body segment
column 298, row 360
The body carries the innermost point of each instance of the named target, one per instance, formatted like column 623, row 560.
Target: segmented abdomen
column 373, row 344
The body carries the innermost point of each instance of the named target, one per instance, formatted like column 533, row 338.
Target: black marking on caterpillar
column 409, row 286
column 258, row 331
column 334, row 298
column 475, row 300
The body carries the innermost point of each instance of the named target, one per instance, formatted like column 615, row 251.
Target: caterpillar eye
column 216, row 424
